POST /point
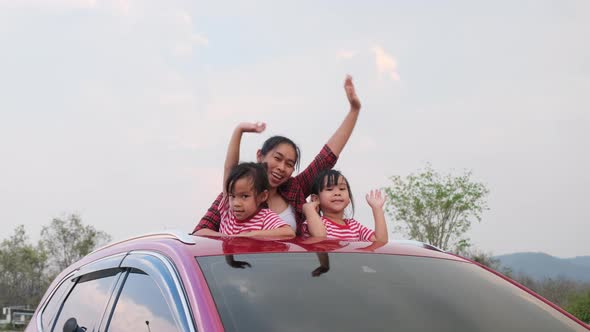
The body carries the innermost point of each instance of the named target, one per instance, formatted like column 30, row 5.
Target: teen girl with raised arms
column 287, row 194
column 325, row 212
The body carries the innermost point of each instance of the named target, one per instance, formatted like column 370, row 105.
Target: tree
column 579, row 306
column 558, row 290
column 68, row 240
column 22, row 270
column 436, row 209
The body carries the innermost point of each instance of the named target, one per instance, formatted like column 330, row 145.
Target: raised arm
column 233, row 149
column 376, row 201
column 342, row 134
column 329, row 154
column 315, row 225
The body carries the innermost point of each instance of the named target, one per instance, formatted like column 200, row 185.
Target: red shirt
column 294, row 191
column 351, row 230
column 264, row 219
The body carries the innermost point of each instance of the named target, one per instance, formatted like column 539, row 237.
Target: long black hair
column 329, row 178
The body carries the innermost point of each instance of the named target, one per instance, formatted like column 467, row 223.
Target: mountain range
column 539, row 265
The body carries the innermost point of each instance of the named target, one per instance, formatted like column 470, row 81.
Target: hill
column 540, row 265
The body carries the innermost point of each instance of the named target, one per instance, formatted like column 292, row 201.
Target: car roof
column 211, row 246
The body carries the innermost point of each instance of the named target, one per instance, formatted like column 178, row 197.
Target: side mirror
column 71, row 325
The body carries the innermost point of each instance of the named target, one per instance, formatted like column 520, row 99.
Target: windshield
column 355, row 292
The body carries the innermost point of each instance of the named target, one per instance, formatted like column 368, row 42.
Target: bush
column 579, row 306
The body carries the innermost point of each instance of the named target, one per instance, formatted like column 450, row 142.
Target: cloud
column 346, row 54
column 385, row 62
column 188, row 39
column 185, row 47
column 52, row 3
column 366, row 143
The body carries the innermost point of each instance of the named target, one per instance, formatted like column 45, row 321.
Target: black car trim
column 104, row 263
column 135, row 259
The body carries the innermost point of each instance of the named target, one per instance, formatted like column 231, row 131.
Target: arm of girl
column 376, row 201
column 338, row 140
column 284, row 231
column 212, row 218
column 233, row 149
column 207, row 232
column 315, row 225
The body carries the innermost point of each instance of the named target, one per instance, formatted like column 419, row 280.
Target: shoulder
column 267, row 214
column 288, row 185
column 351, row 222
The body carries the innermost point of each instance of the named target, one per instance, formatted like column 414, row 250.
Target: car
column 172, row 281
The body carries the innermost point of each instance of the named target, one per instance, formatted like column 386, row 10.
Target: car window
column 360, row 292
column 86, row 301
column 54, row 303
column 141, row 306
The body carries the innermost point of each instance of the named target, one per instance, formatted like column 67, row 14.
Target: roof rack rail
column 418, row 244
column 178, row 234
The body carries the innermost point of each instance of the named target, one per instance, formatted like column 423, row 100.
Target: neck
column 337, row 217
column 272, row 192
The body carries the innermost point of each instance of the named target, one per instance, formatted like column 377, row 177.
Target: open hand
column 252, row 127
column 375, row 199
column 353, row 99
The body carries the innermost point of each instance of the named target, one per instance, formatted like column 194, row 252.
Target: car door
column 83, row 295
column 151, row 297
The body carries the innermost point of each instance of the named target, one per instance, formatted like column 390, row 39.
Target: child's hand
column 312, row 205
column 252, row 127
column 375, row 199
column 353, row 99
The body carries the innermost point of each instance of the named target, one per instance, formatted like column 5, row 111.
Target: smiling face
column 243, row 199
column 335, row 198
column 280, row 163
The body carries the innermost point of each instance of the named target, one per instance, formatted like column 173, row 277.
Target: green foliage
column 68, row 240
column 579, row 306
column 26, row 270
column 487, row 259
column 22, row 267
column 434, row 208
column 571, row 295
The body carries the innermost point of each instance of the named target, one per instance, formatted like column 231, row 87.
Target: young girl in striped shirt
column 245, row 191
column 325, row 212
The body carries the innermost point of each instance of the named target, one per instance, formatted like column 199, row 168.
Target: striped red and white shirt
column 294, row 191
column 264, row 219
column 352, row 230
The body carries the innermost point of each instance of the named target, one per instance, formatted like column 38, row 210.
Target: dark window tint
column 368, row 292
column 86, row 302
column 54, row 304
column 141, row 306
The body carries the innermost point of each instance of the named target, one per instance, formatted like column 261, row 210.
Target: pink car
column 178, row 282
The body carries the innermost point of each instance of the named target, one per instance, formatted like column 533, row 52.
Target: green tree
column 67, row 240
column 558, row 290
column 465, row 249
column 434, row 208
column 22, row 270
column 579, row 306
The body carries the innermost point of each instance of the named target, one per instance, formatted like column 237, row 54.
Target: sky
column 120, row 110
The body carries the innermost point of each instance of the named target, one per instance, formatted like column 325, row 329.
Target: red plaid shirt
column 294, row 191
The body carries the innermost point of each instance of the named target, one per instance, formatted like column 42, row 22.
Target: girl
column 245, row 190
column 280, row 154
column 330, row 196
